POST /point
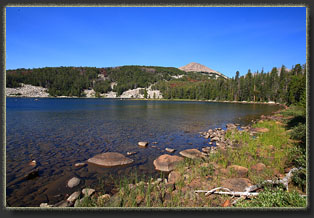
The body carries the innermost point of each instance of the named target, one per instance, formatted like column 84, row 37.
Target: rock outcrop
column 27, row 91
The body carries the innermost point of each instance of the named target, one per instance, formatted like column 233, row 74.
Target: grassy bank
column 267, row 150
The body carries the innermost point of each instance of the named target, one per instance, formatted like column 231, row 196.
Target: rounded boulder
column 110, row 159
column 167, row 162
column 191, row 153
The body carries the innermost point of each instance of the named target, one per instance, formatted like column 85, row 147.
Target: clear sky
column 225, row 39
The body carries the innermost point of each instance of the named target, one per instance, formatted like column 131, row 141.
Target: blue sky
column 225, row 39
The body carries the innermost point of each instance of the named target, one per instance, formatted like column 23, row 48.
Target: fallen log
column 228, row 192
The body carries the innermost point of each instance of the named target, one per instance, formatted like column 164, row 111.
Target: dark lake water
column 58, row 133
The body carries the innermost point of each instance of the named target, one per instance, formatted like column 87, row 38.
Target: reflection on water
column 58, row 133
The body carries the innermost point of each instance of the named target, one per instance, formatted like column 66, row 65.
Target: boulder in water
column 79, row 164
column 110, row 159
column 142, row 144
column 170, row 150
column 191, row 153
column 73, row 182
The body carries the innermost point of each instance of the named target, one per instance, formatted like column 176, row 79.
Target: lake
column 59, row 132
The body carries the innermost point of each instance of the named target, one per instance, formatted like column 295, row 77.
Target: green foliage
column 296, row 89
column 299, row 179
column 132, row 77
column 275, row 198
column 102, row 86
column 87, row 202
column 144, row 92
column 68, row 81
column 286, row 88
column 297, row 124
column 299, row 133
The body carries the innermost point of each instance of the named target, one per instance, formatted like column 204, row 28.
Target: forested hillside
column 71, row 81
column 279, row 85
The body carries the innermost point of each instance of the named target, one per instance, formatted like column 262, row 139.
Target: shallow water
column 58, row 133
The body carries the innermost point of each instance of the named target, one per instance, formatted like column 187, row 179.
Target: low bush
column 275, row 198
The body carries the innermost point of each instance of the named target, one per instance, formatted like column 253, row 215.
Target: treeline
column 279, row 85
column 71, row 81
column 67, row 81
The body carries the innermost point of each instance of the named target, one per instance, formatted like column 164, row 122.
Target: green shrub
column 275, row 198
column 299, row 179
column 102, row 86
column 299, row 133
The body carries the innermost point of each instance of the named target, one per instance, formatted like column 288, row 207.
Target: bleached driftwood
column 212, row 191
column 248, row 190
column 227, row 192
column 285, row 181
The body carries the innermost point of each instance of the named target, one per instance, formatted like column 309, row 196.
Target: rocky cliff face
column 196, row 67
column 27, row 91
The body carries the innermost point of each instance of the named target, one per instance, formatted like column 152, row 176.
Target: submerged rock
column 33, row 163
column 142, row 144
column 73, row 182
column 191, row 153
column 79, row 164
column 32, row 174
column 130, row 153
column 167, row 162
column 170, row 150
column 110, row 159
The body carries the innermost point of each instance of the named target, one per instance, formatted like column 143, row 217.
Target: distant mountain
column 196, row 67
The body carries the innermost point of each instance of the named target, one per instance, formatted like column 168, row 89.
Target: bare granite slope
column 196, row 67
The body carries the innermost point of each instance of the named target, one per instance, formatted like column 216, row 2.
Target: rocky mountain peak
column 196, row 67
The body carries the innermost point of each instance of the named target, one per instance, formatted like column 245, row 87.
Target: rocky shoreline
column 30, row 91
column 167, row 163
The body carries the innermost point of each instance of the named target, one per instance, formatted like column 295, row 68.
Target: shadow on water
column 58, row 133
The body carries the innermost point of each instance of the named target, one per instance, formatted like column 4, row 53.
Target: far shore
column 156, row 99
